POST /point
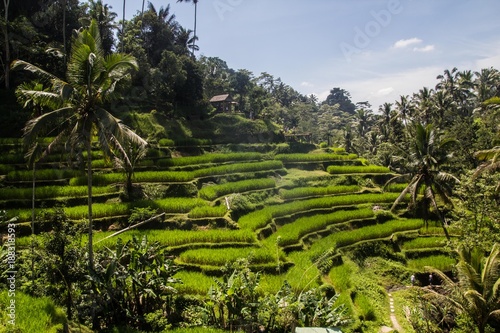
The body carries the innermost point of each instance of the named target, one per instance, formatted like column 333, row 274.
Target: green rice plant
column 302, row 192
column 5, row 169
column 347, row 169
column 341, row 277
column 193, row 283
column 271, row 283
column 176, row 238
column 12, row 159
column 220, row 257
column 314, row 157
column 11, row 141
column 211, row 158
column 101, row 164
column 394, row 187
column 48, row 192
column 43, row 174
column 193, row 142
column 166, row 143
column 293, row 232
column 260, row 218
column 99, row 210
column 238, row 168
column 442, row 262
column 178, row 205
column 304, row 274
column 139, row 177
column 215, row 191
column 424, row 243
column 207, row 211
column 350, row 237
column 197, row 330
column 364, row 307
column 32, row 314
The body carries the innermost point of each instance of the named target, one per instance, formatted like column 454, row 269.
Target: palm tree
column 78, row 114
column 423, row 170
column 5, row 29
column 195, row 2
column 476, row 291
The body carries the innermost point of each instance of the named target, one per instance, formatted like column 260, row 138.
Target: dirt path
column 394, row 320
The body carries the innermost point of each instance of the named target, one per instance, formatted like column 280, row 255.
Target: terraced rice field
column 289, row 220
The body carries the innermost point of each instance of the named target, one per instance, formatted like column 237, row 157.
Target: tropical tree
column 195, row 2
column 78, row 114
column 475, row 293
column 422, row 169
column 5, row 29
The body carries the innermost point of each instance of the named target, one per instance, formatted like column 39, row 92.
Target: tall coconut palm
column 195, row 2
column 77, row 115
column 475, row 292
column 5, row 29
column 423, row 170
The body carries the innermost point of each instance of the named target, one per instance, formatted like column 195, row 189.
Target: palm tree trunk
column 89, row 189
column 64, row 29
column 441, row 219
column 7, row 46
column 194, row 32
column 123, row 27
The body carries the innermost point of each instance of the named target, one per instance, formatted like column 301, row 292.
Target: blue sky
column 375, row 49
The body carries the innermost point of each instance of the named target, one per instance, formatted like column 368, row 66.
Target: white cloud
column 384, row 91
column 402, row 43
column 427, row 48
column 306, row 84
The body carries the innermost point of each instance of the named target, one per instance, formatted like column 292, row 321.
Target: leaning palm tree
column 77, row 115
column 195, row 2
column 475, row 291
column 423, row 170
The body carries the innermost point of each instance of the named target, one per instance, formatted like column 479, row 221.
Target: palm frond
column 43, row 75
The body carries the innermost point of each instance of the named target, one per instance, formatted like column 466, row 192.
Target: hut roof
column 221, row 98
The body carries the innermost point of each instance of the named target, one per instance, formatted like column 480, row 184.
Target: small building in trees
column 223, row 103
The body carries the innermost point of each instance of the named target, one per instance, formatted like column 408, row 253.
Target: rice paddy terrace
column 300, row 217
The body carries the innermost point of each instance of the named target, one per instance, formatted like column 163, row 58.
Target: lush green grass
column 349, row 237
column 213, row 192
column 100, row 210
column 341, row 277
column 314, row 157
column 193, row 283
column 207, row 211
column 441, row 262
column 346, row 169
column 302, row 192
column 211, row 158
column 424, row 242
column 291, row 233
column 31, row 314
column 174, row 238
column 260, row 218
column 238, row 167
column 43, row 174
column 220, row 257
column 48, row 192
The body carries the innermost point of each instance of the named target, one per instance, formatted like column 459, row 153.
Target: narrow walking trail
column 394, row 320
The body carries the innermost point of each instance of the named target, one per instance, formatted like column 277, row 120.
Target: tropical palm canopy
column 423, row 170
column 77, row 114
